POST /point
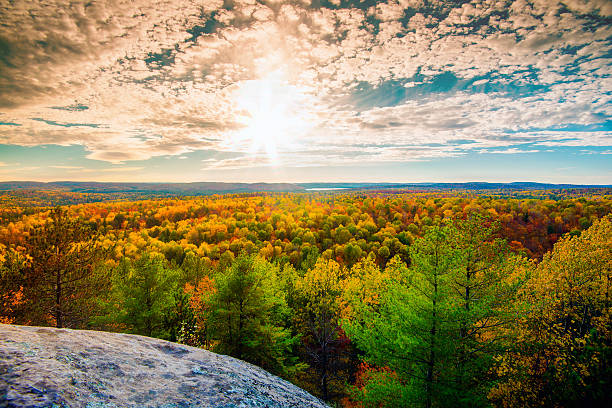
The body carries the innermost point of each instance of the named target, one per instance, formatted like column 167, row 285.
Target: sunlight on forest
column 387, row 203
column 452, row 298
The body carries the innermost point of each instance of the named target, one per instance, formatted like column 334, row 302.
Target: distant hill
column 477, row 185
column 201, row 188
column 205, row 188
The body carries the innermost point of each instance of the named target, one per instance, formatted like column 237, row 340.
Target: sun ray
column 273, row 112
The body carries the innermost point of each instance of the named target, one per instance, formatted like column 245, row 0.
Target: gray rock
column 45, row 367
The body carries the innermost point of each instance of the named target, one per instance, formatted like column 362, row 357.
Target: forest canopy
column 370, row 299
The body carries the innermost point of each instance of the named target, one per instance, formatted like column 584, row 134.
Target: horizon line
column 308, row 182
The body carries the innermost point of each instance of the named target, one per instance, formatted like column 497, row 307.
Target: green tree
column 484, row 293
column 352, row 253
column 249, row 312
column 179, row 319
column 409, row 330
column 439, row 324
column 194, row 268
column 144, row 292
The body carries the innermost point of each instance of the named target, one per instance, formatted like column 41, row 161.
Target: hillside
column 202, row 188
column 206, row 188
column 44, row 367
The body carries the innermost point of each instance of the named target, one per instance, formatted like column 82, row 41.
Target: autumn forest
column 365, row 299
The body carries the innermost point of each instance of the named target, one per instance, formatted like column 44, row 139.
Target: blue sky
column 299, row 91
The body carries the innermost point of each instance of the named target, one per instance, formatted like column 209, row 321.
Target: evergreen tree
column 143, row 290
column 60, row 278
column 179, row 320
column 483, row 289
column 249, row 313
column 409, row 331
column 439, row 324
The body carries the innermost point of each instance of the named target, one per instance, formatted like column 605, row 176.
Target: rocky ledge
column 46, row 367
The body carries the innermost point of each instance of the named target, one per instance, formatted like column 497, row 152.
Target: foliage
column 378, row 387
column 59, row 275
column 408, row 330
column 437, row 324
column 143, row 292
column 249, row 311
column 12, row 302
column 200, row 301
column 563, row 353
column 377, row 298
column 317, row 313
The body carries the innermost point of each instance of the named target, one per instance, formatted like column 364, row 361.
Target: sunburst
column 273, row 112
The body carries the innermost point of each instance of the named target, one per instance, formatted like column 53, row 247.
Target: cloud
column 512, row 150
column 122, row 169
column 393, row 81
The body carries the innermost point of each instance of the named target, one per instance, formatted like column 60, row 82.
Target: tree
column 378, row 387
column 484, row 290
column 60, row 276
column 13, row 306
column 409, row 329
column 143, row 292
column 317, row 315
column 179, row 317
column 249, row 310
column 194, row 268
column 200, row 302
column 439, row 324
column 564, row 354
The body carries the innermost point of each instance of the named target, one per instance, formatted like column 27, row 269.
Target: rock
column 46, row 367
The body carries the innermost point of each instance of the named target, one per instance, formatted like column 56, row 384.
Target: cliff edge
column 47, row 367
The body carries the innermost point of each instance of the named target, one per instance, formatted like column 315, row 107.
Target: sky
column 305, row 91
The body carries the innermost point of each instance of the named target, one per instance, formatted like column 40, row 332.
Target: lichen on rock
column 46, row 367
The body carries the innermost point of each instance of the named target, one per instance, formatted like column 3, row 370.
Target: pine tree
column 409, row 330
column 439, row 323
column 60, row 277
column 143, row 291
column 249, row 313
column 484, row 289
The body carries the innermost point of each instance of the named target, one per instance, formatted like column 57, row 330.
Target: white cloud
column 161, row 77
column 512, row 150
column 122, row 169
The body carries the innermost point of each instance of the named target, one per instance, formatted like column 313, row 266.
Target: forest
column 450, row 298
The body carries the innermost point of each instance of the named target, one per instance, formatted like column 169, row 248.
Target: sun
column 273, row 114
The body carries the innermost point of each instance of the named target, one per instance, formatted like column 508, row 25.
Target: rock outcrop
column 46, row 367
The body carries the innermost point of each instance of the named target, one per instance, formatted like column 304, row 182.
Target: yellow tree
column 12, row 301
column 564, row 341
column 318, row 296
column 367, row 282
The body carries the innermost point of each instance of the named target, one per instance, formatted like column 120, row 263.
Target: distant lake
column 327, row 188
